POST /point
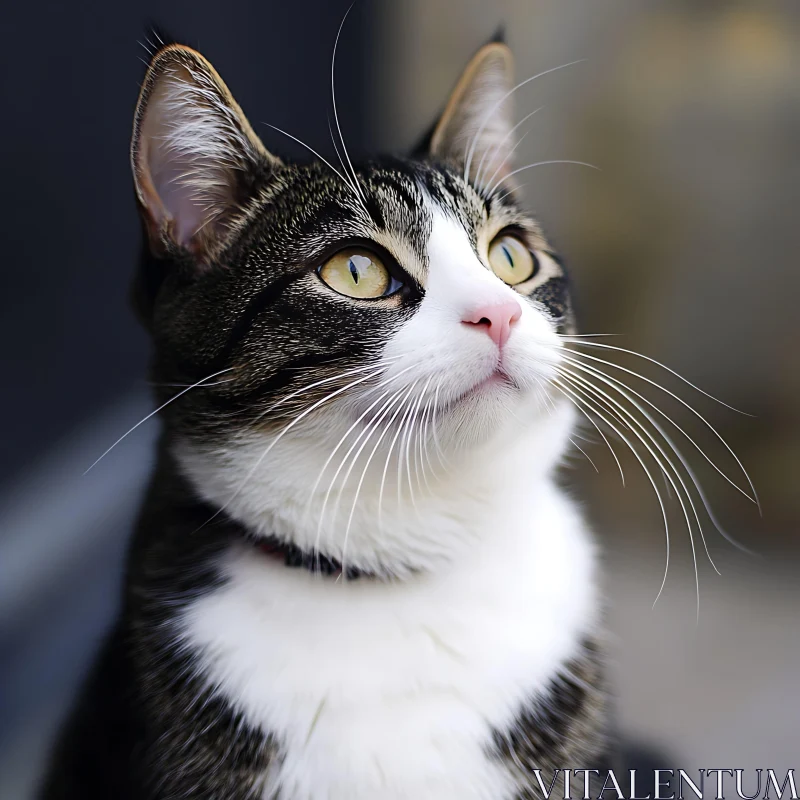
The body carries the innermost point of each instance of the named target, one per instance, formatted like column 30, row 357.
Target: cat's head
column 345, row 329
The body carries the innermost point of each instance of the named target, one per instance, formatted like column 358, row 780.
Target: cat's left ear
column 474, row 130
column 196, row 160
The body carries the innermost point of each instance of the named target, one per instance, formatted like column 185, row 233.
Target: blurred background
column 686, row 244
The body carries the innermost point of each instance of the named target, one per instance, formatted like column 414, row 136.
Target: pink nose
column 496, row 320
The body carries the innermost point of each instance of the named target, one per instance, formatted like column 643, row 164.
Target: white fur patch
column 392, row 690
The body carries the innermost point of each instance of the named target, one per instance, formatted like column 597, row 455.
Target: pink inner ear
column 189, row 149
column 179, row 198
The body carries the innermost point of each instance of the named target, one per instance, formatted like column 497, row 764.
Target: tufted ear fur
column 196, row 160
column 475, row 129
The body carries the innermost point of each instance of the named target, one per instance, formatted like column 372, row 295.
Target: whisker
column 312, row 150
column 350, row 430
column 385, row 430
column 425, row 453
column 329, row 379
column 635, row 374
column 490, row 113
column 391, row 448
column 319, row 366
column 342, row 440
column 153, row 413
column 683, row 508
column 416, row 444
column 336, row 112
column 594, row 371
column 579, row 448
column 188, row 385
column 625, row 392
column 581, row 402
column 541, row 394
column 604, row 396
column 646, row 358
column 504, row 161
column 510, row 192
column 608, row 445
column 347, row 454
column 500, row 144
column 338, row 152
column 284, row 431
column 413, row 435
column 439, row 454
column 539, row 164
column 585, row 335
column 609, row 400
column 408, row 423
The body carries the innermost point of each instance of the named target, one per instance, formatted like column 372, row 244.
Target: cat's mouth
column 398, row 407
column 498, row 380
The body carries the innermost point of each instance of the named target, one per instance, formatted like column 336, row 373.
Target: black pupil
column 353, row 270
column 508, row 256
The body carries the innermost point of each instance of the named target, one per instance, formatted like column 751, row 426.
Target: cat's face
column 407, row 304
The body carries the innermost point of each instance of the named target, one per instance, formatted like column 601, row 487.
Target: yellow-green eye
column 511, row 260
column 357, row 273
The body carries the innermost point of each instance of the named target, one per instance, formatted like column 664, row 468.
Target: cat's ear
column 196, row 160
column 474, row 130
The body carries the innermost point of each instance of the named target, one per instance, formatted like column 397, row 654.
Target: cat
column 354, row 574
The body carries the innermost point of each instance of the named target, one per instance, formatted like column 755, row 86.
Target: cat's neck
column 407, row 512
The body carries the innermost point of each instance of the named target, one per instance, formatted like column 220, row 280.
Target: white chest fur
column 385, row 691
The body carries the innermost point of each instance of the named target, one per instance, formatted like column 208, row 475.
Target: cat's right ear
column 475, row 129
column 196, row 160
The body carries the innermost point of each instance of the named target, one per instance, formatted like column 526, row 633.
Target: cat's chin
column 489, row 387
column 491, row 408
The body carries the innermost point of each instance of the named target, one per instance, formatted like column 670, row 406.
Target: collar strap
column 315, row 563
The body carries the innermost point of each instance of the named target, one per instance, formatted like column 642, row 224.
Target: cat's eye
column 357, row 272
column 511, row 260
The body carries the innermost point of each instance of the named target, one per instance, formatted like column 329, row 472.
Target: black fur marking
column 147, row 726
column 554, row 295
column 288, row 373
column 564, row 727
column 375, row 212
column 266, row 297
column 402, row 191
